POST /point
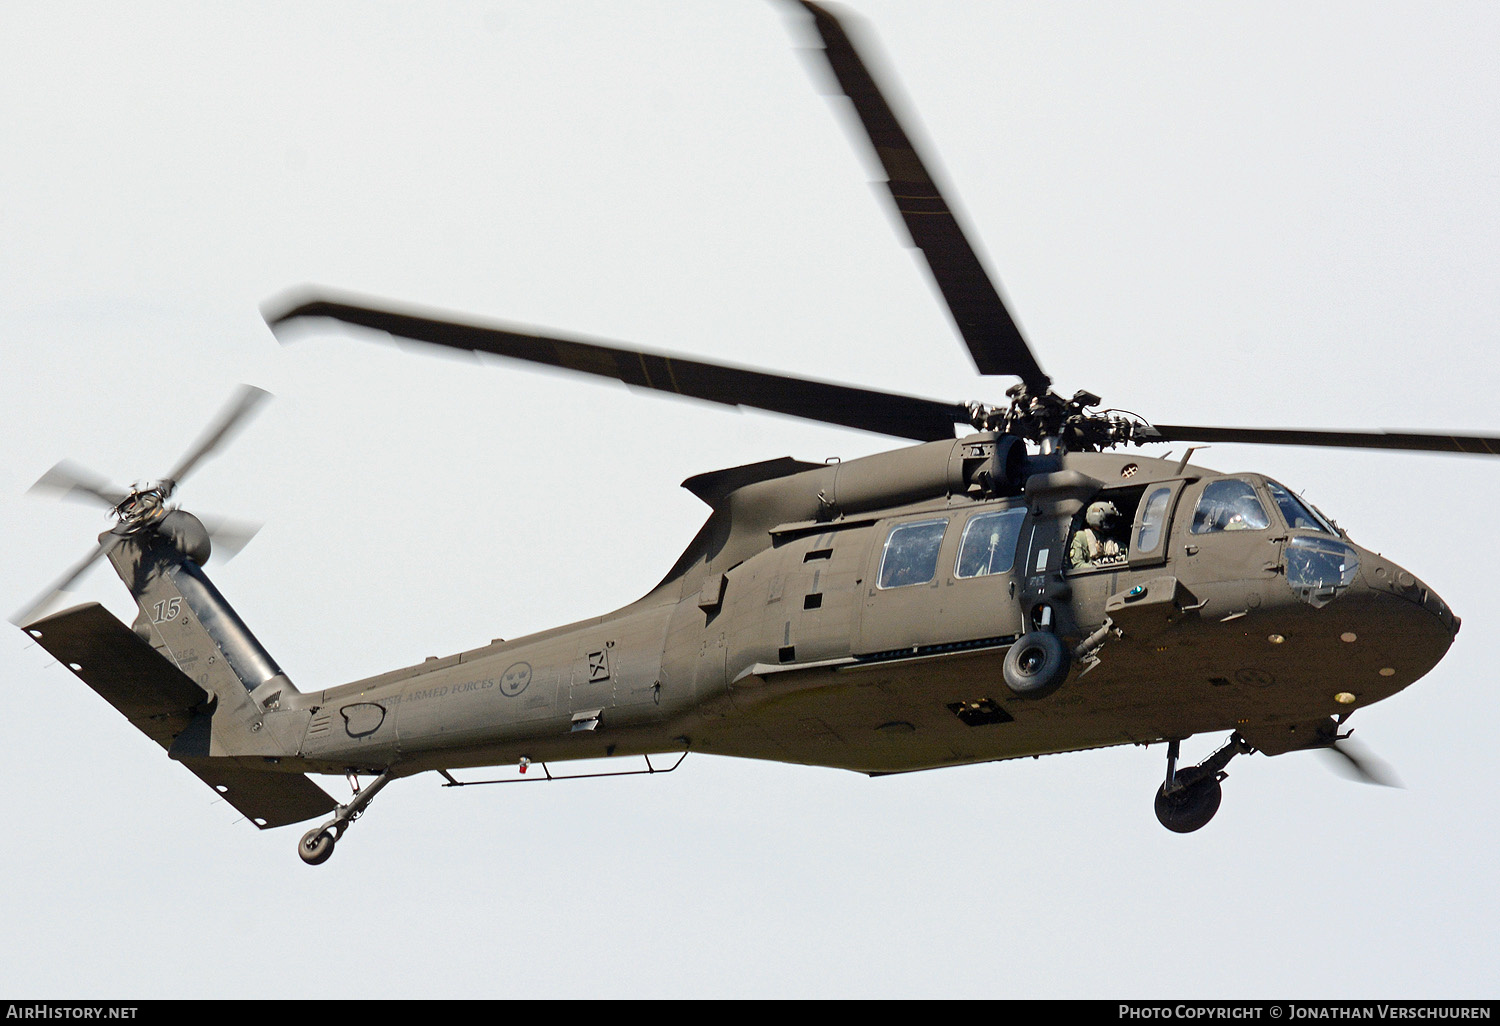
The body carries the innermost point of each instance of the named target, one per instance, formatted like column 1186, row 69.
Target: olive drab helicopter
column 1013, row 584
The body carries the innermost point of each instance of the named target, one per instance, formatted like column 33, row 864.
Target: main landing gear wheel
column 1188, row 798
column 316, row 846
column 1190, row 806
column 1036, row 665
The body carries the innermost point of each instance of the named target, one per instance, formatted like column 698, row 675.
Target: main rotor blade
column 230, row 418
column 68, row 480
column 886, row 413
column 22, row 617
column 993, row 338
column 1473, row 444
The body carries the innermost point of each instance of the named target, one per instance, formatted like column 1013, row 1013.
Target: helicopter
column 933, row 606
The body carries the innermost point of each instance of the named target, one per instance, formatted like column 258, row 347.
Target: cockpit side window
column 911, row 553
column 1298, row 515
column 1229, row 504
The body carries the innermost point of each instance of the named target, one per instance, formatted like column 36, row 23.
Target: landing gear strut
column 316, row 846
column 1189, row 797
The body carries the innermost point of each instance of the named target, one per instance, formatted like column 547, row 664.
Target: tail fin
column 185, row 619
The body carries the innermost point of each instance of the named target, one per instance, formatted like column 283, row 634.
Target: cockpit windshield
column 1229, row 504
column 1299, row 516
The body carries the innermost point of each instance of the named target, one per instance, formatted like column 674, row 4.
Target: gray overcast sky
column 1246, row 214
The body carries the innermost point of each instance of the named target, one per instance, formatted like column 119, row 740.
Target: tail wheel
column 316, row 846
column 1036, row 665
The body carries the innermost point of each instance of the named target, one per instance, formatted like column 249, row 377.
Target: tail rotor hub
column 143, row 507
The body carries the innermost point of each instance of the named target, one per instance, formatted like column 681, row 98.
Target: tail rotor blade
column 68, row 480
column 230, row 419
column 142, row 508
column 22, row 617
column 228, row 536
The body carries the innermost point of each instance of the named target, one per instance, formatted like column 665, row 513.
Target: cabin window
column 911, row 553
column 1229, row 505
column 1298, row 516
column 989, row 545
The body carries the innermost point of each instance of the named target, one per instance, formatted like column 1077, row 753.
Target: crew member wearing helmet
column 1098, row 543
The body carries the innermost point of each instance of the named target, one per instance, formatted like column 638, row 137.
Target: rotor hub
column 1058, row 424
column 143, row 507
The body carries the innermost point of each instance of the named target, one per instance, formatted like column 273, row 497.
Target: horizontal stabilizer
column 155, row 696
column 161, row 701
column 265, row 799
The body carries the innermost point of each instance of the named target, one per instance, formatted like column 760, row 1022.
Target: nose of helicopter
column 1404, row 627
column 1383, row 577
